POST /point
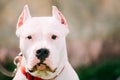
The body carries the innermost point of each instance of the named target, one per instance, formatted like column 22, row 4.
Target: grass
column 109, row 70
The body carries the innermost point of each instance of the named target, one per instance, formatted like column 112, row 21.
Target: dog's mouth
column 41, row 67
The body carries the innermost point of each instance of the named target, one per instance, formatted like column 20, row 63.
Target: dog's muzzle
column 42, row 54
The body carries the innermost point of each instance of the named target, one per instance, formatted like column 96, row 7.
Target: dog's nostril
column 38, row 51
column 42, row 54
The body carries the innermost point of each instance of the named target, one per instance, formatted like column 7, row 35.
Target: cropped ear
column 24, row 16
column 58, row 15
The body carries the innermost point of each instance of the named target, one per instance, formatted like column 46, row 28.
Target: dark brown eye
column 54, row 37
column 29, row 37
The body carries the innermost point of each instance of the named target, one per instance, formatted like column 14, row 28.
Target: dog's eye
column 54, row 37
column 29, row 37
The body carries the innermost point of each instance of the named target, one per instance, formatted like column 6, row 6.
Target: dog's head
column 42, row 42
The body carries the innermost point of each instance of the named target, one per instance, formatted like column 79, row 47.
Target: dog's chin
column 42, row 67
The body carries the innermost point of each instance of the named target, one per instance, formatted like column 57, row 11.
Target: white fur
column 41, row 29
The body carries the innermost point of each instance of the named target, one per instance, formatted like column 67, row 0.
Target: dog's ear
column 24, row 16
column 58, row 15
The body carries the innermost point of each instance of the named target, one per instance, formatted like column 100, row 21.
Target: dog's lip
column 42, row 67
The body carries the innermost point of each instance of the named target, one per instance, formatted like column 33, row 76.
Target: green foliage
column 10, row 67
column 109, row 70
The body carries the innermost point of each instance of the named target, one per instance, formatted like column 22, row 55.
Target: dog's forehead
column 42, row 24
column 39, row 21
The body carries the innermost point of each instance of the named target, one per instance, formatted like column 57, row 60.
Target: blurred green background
column 93, row 43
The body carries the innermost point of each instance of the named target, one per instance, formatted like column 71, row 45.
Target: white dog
column 43, row 47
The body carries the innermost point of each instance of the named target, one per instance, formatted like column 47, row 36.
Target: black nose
column 42, row 54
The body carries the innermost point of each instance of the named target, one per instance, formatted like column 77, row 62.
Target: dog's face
column 42, row 42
